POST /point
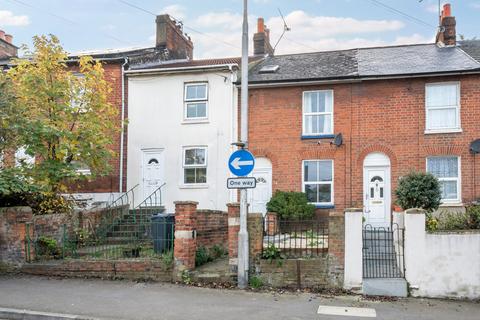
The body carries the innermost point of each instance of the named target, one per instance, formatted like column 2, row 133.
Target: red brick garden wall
column 212, row 228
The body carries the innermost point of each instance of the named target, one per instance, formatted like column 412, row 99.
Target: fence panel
column 294, row 238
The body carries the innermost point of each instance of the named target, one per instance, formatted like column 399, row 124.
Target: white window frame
column 458, row 127
column 186, row 101
column 304, row 114
column 458, row 200
column 193, row 166
column 332, row 183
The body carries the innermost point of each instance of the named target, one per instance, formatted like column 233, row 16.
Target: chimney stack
column 447, row 34
column 170, row 36
column 261, row 39
column 7, row 48
column 9, row 38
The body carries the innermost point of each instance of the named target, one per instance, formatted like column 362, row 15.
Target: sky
column 215, row 25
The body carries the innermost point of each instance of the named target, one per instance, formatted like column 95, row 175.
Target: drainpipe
column 120, row 183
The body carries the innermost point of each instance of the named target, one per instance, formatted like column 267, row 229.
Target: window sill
column 324, row 206
column 195, row 121
column 318, row 136
column 194, row 186
column 443, row 131
column 451, row 204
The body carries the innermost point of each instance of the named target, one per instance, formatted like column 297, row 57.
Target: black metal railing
column 133, row 233
column 383, row 252
column 294, row 238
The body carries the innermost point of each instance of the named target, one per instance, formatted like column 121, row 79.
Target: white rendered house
column 182, row 119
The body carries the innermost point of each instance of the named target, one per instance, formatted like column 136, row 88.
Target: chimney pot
column 2, row 34
column 9, row 38
column 447, row 10
column 260, row 25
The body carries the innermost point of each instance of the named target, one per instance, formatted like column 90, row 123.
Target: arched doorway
column 258, row 197
column 377, row 194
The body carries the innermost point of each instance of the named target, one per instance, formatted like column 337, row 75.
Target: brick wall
column 131, row 269
column 13, row 233
column 110, row 182
column 212, row 228
column 373, row 116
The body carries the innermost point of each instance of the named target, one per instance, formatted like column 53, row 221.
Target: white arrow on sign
column 237, row 163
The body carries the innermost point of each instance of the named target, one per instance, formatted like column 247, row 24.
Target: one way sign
column 241, row 163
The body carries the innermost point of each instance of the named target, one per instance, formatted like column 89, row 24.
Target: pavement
column 102, row 299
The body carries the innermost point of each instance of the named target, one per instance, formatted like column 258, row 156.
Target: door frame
column 147, row 151
column 378, row 161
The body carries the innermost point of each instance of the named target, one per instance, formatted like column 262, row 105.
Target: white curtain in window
column 443, row 167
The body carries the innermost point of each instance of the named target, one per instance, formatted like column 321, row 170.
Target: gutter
column 181, row 69
column 357, row 79
column 122, row 124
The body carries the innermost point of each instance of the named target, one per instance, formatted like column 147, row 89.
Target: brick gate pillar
column 185, row 245
column 13, row 234
column 336, row 248
column 233, row 229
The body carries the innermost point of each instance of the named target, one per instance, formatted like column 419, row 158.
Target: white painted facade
column 441, row 265
column 158, row 131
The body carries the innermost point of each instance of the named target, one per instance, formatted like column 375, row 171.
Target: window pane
column 325, row 168
column 449, row 190
column 311, row 190
column 200, row 156
column 443, row 167
column 197, row 92
column 442, row 118
column 191, row 110
column 324, row 193
column 310, row 171
column 201, row 175
column 441, row 95
column 320, row 124
column 321, row 101
column 201, row 110
column 190, row 156
column 189, row 175
column 196, row 110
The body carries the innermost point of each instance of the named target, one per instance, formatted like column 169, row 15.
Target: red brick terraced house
column 344, row 126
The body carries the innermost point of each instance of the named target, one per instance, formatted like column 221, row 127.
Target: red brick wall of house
column 373, row 116
column 110, row 182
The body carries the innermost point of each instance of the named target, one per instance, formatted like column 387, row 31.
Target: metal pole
column 243, row 233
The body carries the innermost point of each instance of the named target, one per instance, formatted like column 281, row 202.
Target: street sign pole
column 243, row 233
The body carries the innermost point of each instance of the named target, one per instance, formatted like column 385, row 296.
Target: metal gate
column 383, row 252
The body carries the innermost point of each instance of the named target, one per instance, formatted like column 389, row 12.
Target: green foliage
column 63, row 120
column 202, row 256
column 291, row 205
column 186, row 278
column 431, row 223
column 447, row 220
column 255, row 282
column 218, row 251
column 272, row 253
column 47, row 247
column 15, row 189
column 167, row 258
column 419, row 190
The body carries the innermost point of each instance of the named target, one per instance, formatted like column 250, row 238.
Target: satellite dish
column 338, row 140
column 475, row 146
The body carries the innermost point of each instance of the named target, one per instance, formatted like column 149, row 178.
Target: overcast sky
column 316, row 25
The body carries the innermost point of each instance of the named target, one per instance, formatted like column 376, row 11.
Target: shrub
column 291, row 205
column 47, row 247
column 271, row 253
column 255, row 282
column 473, row 214
column 419, row 190
column 202, row 256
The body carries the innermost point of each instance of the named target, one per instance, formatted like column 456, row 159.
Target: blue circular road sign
column 241, row 163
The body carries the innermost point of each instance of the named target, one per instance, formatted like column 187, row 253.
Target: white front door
column 377, row 196
column 258, row 197
column 153, row 171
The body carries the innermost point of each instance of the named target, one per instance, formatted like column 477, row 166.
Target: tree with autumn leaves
column 61, row 118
